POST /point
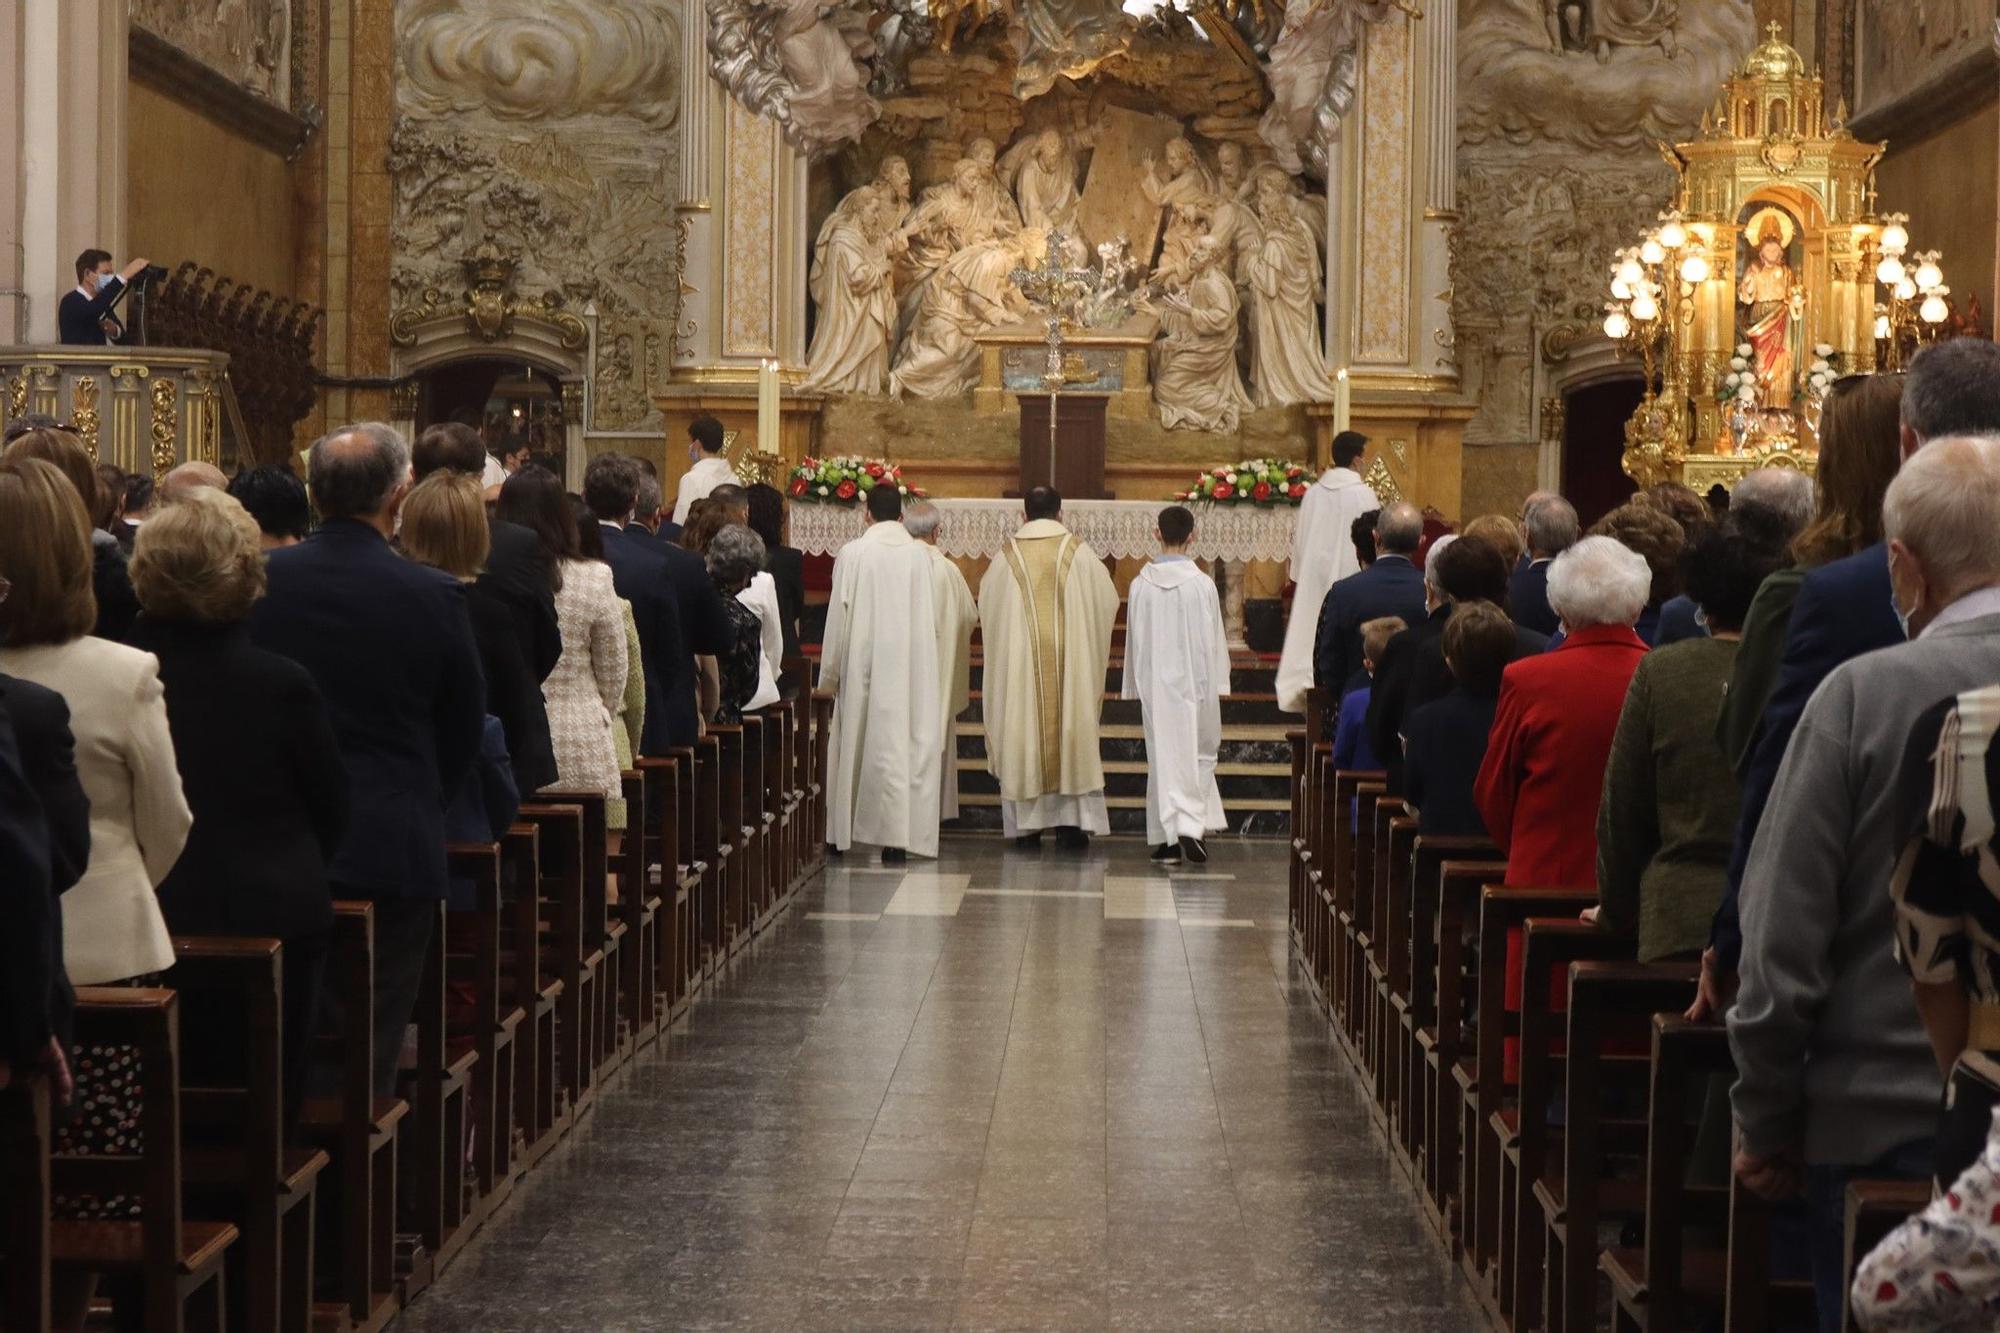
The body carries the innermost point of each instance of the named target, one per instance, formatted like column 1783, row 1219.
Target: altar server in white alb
column 1177, row 667
column 957, row 617
column 879, row 660
column 1047, row 605
column 1322, row 554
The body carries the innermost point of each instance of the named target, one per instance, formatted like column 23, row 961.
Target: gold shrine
column 1771, row 275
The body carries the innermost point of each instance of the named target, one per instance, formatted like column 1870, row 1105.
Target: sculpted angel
column 799, row 62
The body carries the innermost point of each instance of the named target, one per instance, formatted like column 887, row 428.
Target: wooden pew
column 25, row 1144
column 1338, row 837
column 728, row 931
column 1449, row 1066
column 773, row 879
column 234, row 1160
column 1357, row 907
column 712, row 847
column 532, row 984
column 1675, row 1281
column 822, row 726
column 358, row 1131
column 1528, row 1143
column 1874, row 1208
column 487, row 1021
column 1598, row 1173
column 1488, row 1116
column 639, row 911
column 1394, row 848
column 668, row 786
column 169, row 1259
column 442, row 1091
column 1752, row 1301
column 1414, row 997
column 559, row 889
column 696, row 828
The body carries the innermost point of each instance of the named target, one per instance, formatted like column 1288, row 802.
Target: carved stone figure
column 1045, row 181
column 245, row 40
column 1232, row 221
column 1195, row 383
column 970, row 294
column 1312, row 70
column 851, row 286
column 798, row 62
column 1616, row 23
column 1186, row 191
column 1282, row 272
column 1065, row 39
column 968, row 208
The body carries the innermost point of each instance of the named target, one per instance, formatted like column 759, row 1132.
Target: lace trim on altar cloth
column 1123, row 529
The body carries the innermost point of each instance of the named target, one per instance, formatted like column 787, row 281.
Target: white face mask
column 103, row 280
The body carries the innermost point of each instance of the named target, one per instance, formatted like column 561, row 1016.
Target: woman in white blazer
column 112, row 927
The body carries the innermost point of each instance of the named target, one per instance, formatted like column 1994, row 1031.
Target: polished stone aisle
column 1065, row 1091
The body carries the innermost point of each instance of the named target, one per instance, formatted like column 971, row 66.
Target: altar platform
column 1115, row 529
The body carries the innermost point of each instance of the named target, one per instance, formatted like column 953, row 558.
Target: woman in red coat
column 1545, row 758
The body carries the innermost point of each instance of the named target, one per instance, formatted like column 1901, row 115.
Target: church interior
column 1408, row 496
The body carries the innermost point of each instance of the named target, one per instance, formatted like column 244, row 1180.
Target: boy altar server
column 1177, row 667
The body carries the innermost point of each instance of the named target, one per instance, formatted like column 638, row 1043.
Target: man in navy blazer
column 1551, row 528
column 1844, row 609
column 1392, row 586
column 390, row 644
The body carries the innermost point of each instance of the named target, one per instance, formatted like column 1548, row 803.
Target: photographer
column 85, row 316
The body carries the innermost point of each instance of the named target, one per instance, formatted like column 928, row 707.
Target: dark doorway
column 510, row 403
column 1594, row 420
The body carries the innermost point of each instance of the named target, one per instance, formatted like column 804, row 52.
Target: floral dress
column 585, row 690
column 1941, row 1269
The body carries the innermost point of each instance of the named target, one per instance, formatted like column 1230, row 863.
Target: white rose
column 1744, row 349
column 1231, row 479
column 1823, row 350
column 825, row 491
column 1737, row 363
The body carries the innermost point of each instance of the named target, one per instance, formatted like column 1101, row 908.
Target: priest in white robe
column 1046, row 607
column 1322, row 554
column 957, row 616
column 879, row 660
column 1177, row 667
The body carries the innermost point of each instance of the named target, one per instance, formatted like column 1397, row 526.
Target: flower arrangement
column 1737, row 385
column 1822, row 371
column 845, row 480
column 1255, row 481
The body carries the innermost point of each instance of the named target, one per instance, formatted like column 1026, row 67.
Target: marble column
column 62, row 135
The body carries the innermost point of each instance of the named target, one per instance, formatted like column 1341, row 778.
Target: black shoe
column 894, row 856
column 1167, row 853
column 832, row 852
column 1029, row 842
column 1072, row 839
column 1195, row 850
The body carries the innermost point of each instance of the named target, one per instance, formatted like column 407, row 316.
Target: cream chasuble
column 956, row 617
column 1047, row 607
column 1322, row 554
column 1177, row 667
column 880, row 662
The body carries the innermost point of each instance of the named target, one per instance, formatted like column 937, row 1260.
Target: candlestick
column 1343, row 402
column 767, row 407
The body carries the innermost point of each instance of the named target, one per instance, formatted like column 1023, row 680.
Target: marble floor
column 1000, row 1090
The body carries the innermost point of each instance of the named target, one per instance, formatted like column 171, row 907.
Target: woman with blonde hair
column 110, row 581
column 258, row 758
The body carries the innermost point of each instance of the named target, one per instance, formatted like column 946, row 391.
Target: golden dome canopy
column 1775, row 60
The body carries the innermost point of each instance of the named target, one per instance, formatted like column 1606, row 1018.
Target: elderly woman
column 1640, row 525
column 258, row 759
column 731, row 679
column 1668, row 812
column 1539, row 784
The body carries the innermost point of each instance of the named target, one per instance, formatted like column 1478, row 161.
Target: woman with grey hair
column 730, row 679
column 1543, row 775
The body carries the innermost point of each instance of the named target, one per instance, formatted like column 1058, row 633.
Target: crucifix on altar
column 1062, row 433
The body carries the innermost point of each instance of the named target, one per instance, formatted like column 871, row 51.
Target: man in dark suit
column 1412, row 672
column 84, row 317
column 1392, row 586
column 648, row 518
column 390, row 644
column 1552, row 529
column 44, row 848
column 1844, row 609
column 640, row 570
column 515, row 591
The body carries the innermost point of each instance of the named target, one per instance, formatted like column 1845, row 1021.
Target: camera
column 150, row 273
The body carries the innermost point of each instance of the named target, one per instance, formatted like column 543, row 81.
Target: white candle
column 1343, row 402
column 767, row 407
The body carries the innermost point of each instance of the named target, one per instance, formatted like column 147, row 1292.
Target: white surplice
column 879, row 660
column 708, row 472
column 1046, row 606
column 1177, row 667
column 957, row 615
column 762, row 597
column 1322, row 554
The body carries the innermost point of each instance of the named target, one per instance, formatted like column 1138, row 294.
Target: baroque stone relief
column 538, row 126
column 247, row 41
column 1901, row 44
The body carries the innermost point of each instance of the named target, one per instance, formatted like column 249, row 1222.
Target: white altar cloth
column 977, row 529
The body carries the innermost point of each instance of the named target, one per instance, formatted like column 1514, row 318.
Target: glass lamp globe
column 1934, row 310
column 1881, row 328
column 1694, row 269
column 1617, row 325
column 1890, row 271
column 1650, row 252
column 1621, row 289
column 1645, row 308
column 1630, row 273
column 1895, row 239
column 1928, row 275
column 1673, row 236
column 1906, row 290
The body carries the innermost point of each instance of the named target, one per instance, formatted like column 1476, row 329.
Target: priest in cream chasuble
column 1047, row 606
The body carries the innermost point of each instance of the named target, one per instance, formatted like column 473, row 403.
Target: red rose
column 799, row 487
column 1222, row 472
column 1297, row 492
column 810, row 464
column 919, row 492
column 1261, row 492
column 875, row 469
column 846, row 490
column 1223, row 490
column 1293, row 474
